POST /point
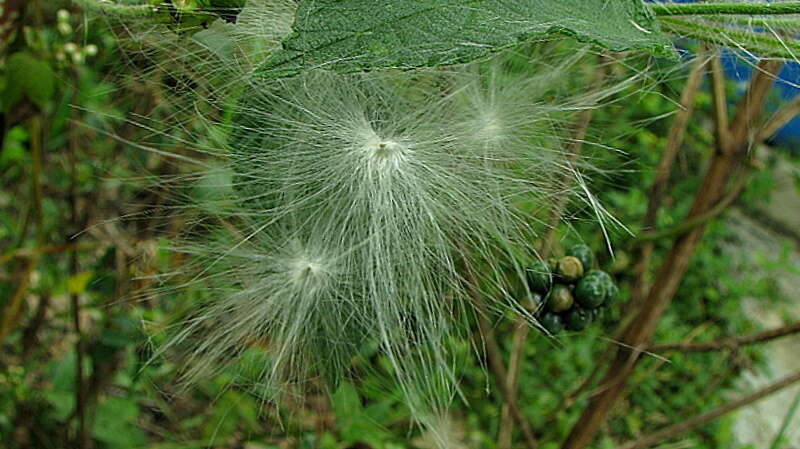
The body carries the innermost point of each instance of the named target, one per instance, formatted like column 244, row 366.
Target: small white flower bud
column 64, row 28
column 78, row 58
column 90, row 50
column 71, row 48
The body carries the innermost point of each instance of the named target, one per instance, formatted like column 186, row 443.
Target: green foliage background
column 94, row 195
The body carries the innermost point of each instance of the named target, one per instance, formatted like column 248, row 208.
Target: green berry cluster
column 568, row 292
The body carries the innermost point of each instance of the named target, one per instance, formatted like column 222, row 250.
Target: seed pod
column 591, row 291
column 570, row 269
column 583, row 253
column 559, row 299
column 552, row 323
column 578, row 319
column 540, row 277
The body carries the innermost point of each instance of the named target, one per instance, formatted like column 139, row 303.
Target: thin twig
column 703, row 418
column 637, row 336
column 82, row 438
column 701, row 219
column 579, row 130
column 728, row 343
column 691, row 9
column 13, row 308
column 495, row 361
column 719, row 105
column 787, row 420
column 494, row 357
column 658, row 189
column 51, row 249
column 781, row 117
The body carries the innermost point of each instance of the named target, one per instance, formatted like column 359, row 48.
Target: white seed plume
column 359, row 210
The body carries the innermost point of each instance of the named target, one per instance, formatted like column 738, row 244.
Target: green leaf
column 28, row 77
column 115, row 424
column 357, row 35
column 346, row 402
column 77, row 284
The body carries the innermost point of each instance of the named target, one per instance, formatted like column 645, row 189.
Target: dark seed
column 552, row 323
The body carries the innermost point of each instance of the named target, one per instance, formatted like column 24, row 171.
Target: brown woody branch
column 495, row 362
column 579, row 130
column 728, row 343
column 701, row 219
column 704, row 418
column 781, row 117
column 677, row 131
column 494, row 358
column 51, row 249
column 726, row 161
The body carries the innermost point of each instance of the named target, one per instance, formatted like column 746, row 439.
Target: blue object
column 787, row 86
column 738, row 68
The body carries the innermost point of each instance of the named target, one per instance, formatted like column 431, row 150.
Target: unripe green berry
column 552, row 323
column 591, row 291
column 569, row 269
column 540, row 277
column 532, row 302
column 602, row 274
column 583, row 253
column 612, row 292
column 559, row 299
column 578, row 319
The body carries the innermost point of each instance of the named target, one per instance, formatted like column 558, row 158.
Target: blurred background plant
column 84, row 232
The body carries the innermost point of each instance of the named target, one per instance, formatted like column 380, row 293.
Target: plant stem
column 13, row 308
column 769, row 23
column 776, row 443
column 637, row 336
column 29, row 252
column 782, row 116
column 494, row 358
column 728, row 343
column 677, row 131
column 698, row 220
column 109, row 6
column 733, row 38
column 691, row 9
column 82, row 439
column 703, row 418
column 495, row 362
column 579, row 130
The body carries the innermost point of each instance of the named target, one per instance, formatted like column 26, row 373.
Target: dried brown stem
column 82, row 438
column 658, row 189
column 781, row 117
column 720, row 105
column 728, row 343
column 494, row 358
column 579, row 130
column 495, row 362
column 704, row 418
column 701, row 219
column 723, row 165
column 51, row 249
column 13, row 309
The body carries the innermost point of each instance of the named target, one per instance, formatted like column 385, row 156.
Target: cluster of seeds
column 568, row 292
